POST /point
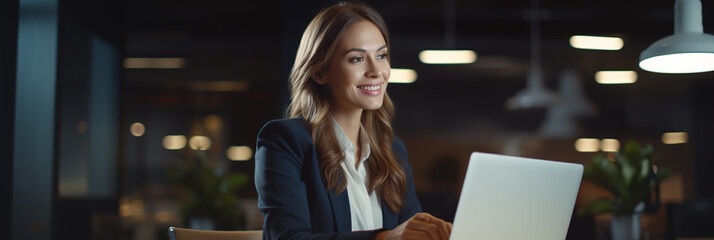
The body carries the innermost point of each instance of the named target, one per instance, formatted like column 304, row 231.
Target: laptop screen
column 506, row 197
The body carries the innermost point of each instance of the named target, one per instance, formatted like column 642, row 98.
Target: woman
column 334, row 170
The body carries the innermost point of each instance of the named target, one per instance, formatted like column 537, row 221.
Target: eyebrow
column 364, row 50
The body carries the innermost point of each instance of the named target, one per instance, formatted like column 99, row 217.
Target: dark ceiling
column 255, row 41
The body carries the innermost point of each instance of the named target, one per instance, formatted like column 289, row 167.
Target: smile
column 370, row 88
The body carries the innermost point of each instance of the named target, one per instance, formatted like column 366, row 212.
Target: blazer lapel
column 341, row 210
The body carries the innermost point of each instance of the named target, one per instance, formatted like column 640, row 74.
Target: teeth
column 369, row 88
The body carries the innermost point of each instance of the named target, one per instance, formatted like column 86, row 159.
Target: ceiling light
column 571, row 92
column 610, row 145
column 560, row 120
column 399, row 75
column 174, row 142
column 239, row 153
column 587, row 145
column 689, row 50
column 447, row 56
column 536, row 95
column 165, row 63
column 137, row 129
column 616, row 77
column 674, row 137
column 596, row 42
column 199, row 143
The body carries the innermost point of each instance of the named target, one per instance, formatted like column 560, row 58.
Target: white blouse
column 365, row 207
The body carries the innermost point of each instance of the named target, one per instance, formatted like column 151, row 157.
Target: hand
column 419, row 226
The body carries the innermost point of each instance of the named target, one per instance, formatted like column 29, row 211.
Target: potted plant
column 633, row 180
column 208, row 194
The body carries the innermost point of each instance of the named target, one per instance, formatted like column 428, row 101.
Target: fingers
column 421, row 225
column 441, row 225
column 443, row 229
column 416, row 235
column 434, row 227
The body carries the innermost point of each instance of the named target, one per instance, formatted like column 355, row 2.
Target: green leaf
column 647, row 151
column 232, row 182
column 663, row 173
column 629, row 178
column 612, row 176
column 208, row 191
column 595, row 174
column 599, row 206
column 628, row 169
column 645, row 170
column 632, row 151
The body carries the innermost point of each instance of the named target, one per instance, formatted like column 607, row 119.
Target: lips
column 371, row 90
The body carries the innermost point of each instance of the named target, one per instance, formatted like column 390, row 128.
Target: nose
column 374, row 70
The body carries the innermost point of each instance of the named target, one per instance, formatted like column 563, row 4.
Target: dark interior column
column 8, row 56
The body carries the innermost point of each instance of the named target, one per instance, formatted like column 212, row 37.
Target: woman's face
column 358, row 71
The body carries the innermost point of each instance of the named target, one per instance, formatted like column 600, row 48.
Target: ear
column 319, row 78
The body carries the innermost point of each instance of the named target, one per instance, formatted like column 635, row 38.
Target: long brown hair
column 312, row 102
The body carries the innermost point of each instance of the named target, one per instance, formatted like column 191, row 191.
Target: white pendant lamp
column 572, row 95
column 560, row 121
column 536, row 95
column 689, row 50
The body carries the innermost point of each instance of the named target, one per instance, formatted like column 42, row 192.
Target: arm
column 420, row 226
column 282, row 192
column 413, row 224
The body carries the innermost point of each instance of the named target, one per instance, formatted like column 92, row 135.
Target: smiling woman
column 358, row 72
column 334, row 169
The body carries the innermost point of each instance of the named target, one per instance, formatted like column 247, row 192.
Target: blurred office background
column 106, row 103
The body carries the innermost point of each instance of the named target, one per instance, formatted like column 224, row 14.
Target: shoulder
column 284, row 127
column 290, row 136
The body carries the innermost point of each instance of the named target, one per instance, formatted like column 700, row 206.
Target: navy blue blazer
column 292, row 194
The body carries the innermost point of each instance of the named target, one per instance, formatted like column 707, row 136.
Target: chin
column 373, row 106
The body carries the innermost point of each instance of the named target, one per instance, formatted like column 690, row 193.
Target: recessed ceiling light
column 402, row 75
column 616, row 77
column 447, row 56
column 596, row 42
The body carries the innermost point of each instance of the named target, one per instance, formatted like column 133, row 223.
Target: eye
column 356, row 59
column 382, row 56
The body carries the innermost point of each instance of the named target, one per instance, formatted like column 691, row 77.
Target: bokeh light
column 239, row 153
column 174, row 142
column 137, row 129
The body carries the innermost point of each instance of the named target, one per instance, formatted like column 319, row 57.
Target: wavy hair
column 312, row 102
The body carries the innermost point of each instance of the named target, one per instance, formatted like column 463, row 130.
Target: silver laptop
column 505, row 198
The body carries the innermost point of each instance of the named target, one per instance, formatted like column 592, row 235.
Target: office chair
column 177, row 233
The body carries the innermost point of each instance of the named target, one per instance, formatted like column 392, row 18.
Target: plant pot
column 625, row 227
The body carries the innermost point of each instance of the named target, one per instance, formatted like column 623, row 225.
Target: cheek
column 340, row 78
column 387, row 75
column 387, row 70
